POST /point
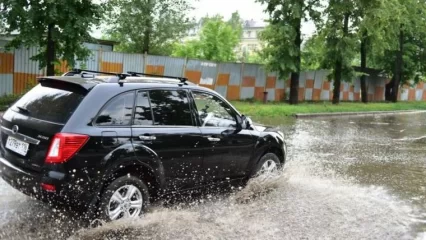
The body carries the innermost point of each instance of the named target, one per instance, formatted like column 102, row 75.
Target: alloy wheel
column 126, row 202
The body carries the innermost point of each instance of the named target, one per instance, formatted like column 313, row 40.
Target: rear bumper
column 29, row 183
column 24, row 181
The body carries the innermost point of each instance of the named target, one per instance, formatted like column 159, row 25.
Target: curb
column 372, row 113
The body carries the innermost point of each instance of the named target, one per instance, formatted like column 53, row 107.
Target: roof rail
column 136, row 74
column 121, row 76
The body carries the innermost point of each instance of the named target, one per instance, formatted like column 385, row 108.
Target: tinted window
column 143, row 114
column 213, row 112
column 118, row 111
column 49, row 102
column 170, row 108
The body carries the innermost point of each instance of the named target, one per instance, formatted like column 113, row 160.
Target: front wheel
column 268, row 164
column 125, row 197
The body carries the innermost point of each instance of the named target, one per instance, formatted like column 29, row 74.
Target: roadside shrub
column 7, row 100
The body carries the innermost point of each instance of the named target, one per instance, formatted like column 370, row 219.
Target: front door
column 164, row 123
column 227, row 149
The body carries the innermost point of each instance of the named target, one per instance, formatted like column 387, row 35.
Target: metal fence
column 235, row 81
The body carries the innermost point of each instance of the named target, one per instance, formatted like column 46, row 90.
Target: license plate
column 17, row 146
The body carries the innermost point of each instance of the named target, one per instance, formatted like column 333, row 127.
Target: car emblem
column 15, row 129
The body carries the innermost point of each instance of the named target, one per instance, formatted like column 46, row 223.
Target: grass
column 283, row 109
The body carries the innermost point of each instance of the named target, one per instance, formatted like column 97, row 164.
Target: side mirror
column 245, row 122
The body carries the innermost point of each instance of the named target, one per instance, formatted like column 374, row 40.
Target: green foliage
column 217, row 41
column 190, row 49
column 150, row 26
column 340, row 41
column 70, row 20
column 255, row 57
column 279, row 51
column 282, row 51
column 7, row 100
column 313, row 51
column 407, row 17
column 236, row 22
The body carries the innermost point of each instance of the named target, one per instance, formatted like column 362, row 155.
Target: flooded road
column 346, row 178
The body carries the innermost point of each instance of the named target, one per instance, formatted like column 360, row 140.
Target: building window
column 248, row 34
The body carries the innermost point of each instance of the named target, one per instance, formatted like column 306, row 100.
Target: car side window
column 213, row 112
column 170, row 107
column 118, row 111
column 143, row 114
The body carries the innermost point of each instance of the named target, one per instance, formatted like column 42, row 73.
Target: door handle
column 147, row 138
column 212, row 139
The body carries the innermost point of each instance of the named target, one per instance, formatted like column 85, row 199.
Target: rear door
column 163, row 122
column 28, row 126
column 227, row 149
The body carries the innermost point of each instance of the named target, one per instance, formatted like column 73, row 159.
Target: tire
column 271, row 158
column 126, row 204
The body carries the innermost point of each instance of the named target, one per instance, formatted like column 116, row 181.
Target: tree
column 283, row 37
column 189, row 49
column 340, row 43
column 236, row 22
column 351, row 43
column 148, row 26
column 405, row 59
column 313, row 53
column 57, row 27
column 217, row 41
column 374, row 19
column 254, row 57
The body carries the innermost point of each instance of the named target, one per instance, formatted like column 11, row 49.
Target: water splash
column 295, row 204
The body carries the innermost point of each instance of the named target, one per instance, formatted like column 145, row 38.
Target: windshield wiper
column 23, row 110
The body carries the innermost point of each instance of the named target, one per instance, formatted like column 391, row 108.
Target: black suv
column 113, row 143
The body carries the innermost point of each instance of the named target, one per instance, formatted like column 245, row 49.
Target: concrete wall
column 235, row 81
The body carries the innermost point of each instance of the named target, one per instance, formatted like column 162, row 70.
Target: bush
column 7, row 100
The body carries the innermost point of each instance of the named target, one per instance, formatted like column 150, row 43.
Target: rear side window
column 118, row 111
column 170, row 107
column 143, row 114
column 50, row 102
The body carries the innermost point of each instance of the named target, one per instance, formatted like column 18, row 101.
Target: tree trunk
column 148, row 27
column 50, row 52
column 398, row 66
column 294, row 84
column 389, row 88
column 339, row 65
column 364, row 91
column 337, row 82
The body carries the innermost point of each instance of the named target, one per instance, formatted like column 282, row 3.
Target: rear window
column 50, row 102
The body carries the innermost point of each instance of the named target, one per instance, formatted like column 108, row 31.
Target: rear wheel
column 125, row 197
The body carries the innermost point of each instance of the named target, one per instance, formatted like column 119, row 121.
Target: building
column 250, row 41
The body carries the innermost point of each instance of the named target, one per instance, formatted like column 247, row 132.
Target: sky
column 248, row 9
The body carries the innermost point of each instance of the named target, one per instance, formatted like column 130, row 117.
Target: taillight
column 48, row 187
column 64, row 146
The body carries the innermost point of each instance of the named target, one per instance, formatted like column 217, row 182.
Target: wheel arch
column 142, row 171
